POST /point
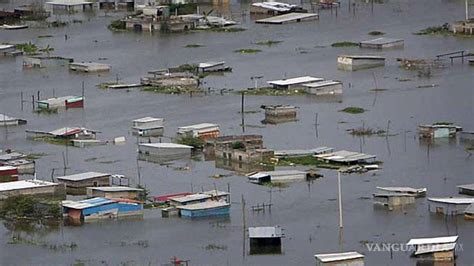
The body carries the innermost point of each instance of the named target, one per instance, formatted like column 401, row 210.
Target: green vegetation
column 57, row 24
column 193, row 45
column 18, row 239
column 197, row 143
column 376, row 33
column 117, row 25
column 171, row 89
column 307, row 161
column 44, row 36
column 443, row 123
column 35, row 156
column 353, row 110
column 366, row 131
column 28, row 48
column 344, row 44
column 53, row 140
column 27, row 207
column 247, row 51
column 192, row 68
column 225, row 29
column 436, row 30
column 269, row 91
column 183, row 9
column 268, row 42
column 105, row 85
column 238, row 145
column 46, row 111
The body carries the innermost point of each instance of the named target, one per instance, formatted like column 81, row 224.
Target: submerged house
column 10, row 121
column 417, row 192
column 89, row 67
column 382, row 42
column 213, row 67
column 351, row 258
column 115, row 192
column 101, row 208
column 77, row 184
column 41, row 61
column 275, row 114
column 467, row 189
column 239, row 148
column 277, row 176
column 434, row 249
column 293, row 83
column 275, row 8
column 203, row 131
column 357, row 62
column 469, row 212
column 163, row 151
column 148, row 127
column 449, row 206
column 66, row 133
column 345, row 157
column 324, row 87
column 393, row 200
column 59, row 102
column 438, row 131
column 265, row 240
column 210, row 203
column 17, row 160
column 8, row 174
column 33, row 187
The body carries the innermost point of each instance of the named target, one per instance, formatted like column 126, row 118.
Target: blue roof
column 88, row 203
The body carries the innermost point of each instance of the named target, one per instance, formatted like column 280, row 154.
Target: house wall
column 353, row 262
column 326, row 90
column 46, row 192
column 447, row 209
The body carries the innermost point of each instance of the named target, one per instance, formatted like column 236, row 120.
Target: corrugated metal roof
column 201, row 126
column 294, row 81
column 115, row 189
column 322, row 83
column 376, row 57
column 303, row 152
column 84, row 204
column 403, row 189
column 147, row 119
column 25, row 184
column 265, row 232
column 188, row 198
column 345, row 156
column 82, row 176
column 453, row 200
column 467, row 186
column 331, row 257
column 204, row 205
column 432, row 240
column 165, row 145
column 381, row 40
column 210, row 64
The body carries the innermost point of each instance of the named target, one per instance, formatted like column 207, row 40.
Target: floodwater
column 308, row 212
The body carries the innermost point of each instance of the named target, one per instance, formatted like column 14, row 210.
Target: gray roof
column 470, row 209
column 265, row 232
column 381, row 40
column 115, row 189
column 467, row 186
column 82, row 176
column 388, row 195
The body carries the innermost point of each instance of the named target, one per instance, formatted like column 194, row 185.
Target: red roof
column 164, row 198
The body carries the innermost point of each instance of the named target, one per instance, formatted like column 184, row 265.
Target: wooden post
column 339, row 198
column 83, row 90
column 38, row 95
column 21, row 100
column 467, row 10
column 33, row 101
column 243, row 225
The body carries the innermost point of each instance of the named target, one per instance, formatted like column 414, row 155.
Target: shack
column 449, row 206
column 203, row 131
column 289, row 18
column 469, row 212
column 275, row 114
column 351, row 258
column 293, row 83
column 213, row 67
column 463, row 27
column 164, row 149
column 148, row 127
column 77, row 184
column 467, row 189
column 417, row 192
column 101, row 208
column 325, row 87
column 393, row 200
column 265, row 240
column 8, row 174
column 65, row 133
column 17, row 160
column 89, row 67
column 10, row 121
column 346, row 157
column 277, row 176
column 438, row 131
column 32, row 187
column 380, row 43
column 275, row 8
column 434, row 249
column 59, row 102
column 42, row 61
column 115, row 192
column 358, row 62
column 205, row 209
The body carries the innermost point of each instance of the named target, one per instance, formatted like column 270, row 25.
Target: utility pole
column 339, row 198
column 467, row 9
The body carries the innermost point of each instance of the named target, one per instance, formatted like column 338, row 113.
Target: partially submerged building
column 463, row 27
column 324, row 87
column 265, row 239
column 351, row 258
column 203, row 204
column 275, row 8
column 346, row 157
column 213, row 67
column 246, row 149
column 393, row 200
column 164, row 149
column 289, row 18
column 293, row 83
column 171, row 79
column 203, row 131
column 61, row 102
column 277, row 176
column 417, row 192
column 101, row 208
column 357, row 62
column 77, row 184
column 302, row 152
column 382, row 42
column 43, row 61
column 65, row 133
column 89, row 67
column 275, row 114
column 116, row 192
column 469, row 212
column 11, row 121
column 6, row 49
column 33, row 187
column 148, row 127
column 449, row 205
column 8, row 174
column 205, row 209
column 17, row 160
column 467, row 189
column 438, row 130
column 434, row 249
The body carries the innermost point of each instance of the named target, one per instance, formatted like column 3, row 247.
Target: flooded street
column 307, row 211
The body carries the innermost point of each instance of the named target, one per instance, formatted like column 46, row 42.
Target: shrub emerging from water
column 376, row 33
column 117, row 25
column 344, row 44
column 247, row 51
column 197, row 143
column 353, row 110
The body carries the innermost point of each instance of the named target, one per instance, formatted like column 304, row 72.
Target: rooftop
column 197, row 127
column 470, row 209
column 322, row 83
column 453, row 200
column 147, row 119
column 166, row 145
column 58, row 99
column 388, row 195
column 210, row 64
column 331, row 257
column 188, row 198
column 283, row 172
column 115, row 189
column 25, row 184
column 6, row 46
column 432, row 240
column 345, row 156
column 6, row 118
column 293, row 81
column 276, row 6
column 84, row 204
column 403, row 189
column 265, row 232
column 363, row 57
column 204, row 205
column 82, row 176
column 467, row 186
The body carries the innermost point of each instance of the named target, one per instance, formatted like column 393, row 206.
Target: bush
column 197, row 143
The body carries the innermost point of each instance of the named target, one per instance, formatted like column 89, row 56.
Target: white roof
column 82, row 176
column 363, row 56
column 467, row 186
column 276, row 6
column 204, row 205
column 292, row 81
column 470, row 209
column 7, row 167
column 89, row 64
column 68, row 2
column 283, row 172
column 25, row 184
column 115, row 189
column 6, row 118
column 265, row 232
column 166, row 145
column 453, row 200
column 431, row 248
column 330, row 257
column 382, row 40
column 198, row 127
column 322, row 83
column 188, row 198
column 147, row 119
column 403, row 189
column 58, row 100
column 432, row 240
column 6, row 46
column 210, row 64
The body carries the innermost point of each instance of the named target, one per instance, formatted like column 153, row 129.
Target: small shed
column 164, row 149
column 115, row 192
column 449, row 205
column 469, row 212
column 6, row 48
column 438, row 131
column 357, row 62
column 345, row 157
column 325, row 87
column 467, row 189
column 203, row 131
column 89, row 67
column 393, row 200
column 351, row 258
column 213, row 67
column 265, row 239
column 278, row 176
column 64, row 101
column 382, row 42
column 417, row 192
column 33, row 187
column 77, row 184
column 435, row 249
column 10, row 121
column 148, row 127
column 293, row 83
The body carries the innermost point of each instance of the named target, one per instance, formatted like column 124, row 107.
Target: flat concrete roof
column 25, row 184
column 332, row 257
column 286, row 18
column 294, row 81
column 82, row 176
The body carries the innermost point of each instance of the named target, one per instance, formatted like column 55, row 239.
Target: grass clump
column 366, row 131
column 35, row 156
column 268, row 42
column 306, row 160
column 46, row 111
column 117, row 25
column 215, row 247
column 27, row 48
column 27, row 207
column 197, row 143
column 171, row 89
column 226, row 29
column 353, row 110
column 344, row 44
column 436, row 30
column 193, row 45
column 442, row 123
column 376, row 33
column 247, row 51
column 269, row 91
